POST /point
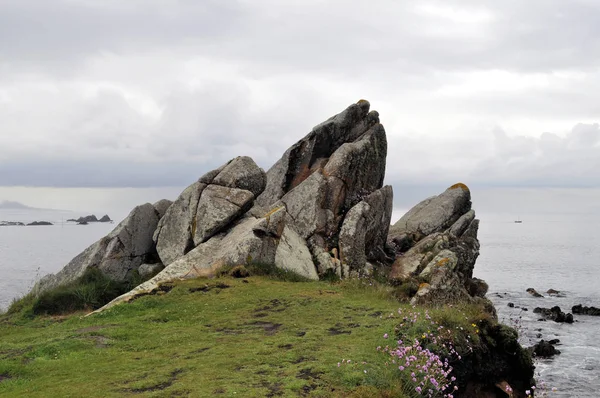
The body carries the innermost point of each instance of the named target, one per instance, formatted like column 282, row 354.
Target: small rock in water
column 555, row 314
column 533, row 292
column 554, row 341
column 544, row 349
column 511, row 305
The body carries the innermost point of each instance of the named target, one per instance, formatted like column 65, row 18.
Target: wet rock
column 533, row 292
column 581, row 310
column 544, row 349
column 555, row 314
column 511, row 305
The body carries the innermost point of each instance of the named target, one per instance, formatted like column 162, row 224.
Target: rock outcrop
column 436, row 245
column 554, row 314
column 118, row 255
column 320, row 209
column 38, row 223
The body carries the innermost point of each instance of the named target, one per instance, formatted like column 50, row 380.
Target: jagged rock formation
column 321, row 209
column 437, row 246
column 322, row 200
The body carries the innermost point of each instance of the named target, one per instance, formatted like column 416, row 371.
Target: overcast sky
column 151, row 94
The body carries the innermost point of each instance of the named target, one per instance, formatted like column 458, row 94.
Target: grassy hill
column 251, row 337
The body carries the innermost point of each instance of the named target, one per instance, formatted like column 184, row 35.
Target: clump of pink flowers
column 429, row 374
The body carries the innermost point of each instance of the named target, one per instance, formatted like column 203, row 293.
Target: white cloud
column 134, row 95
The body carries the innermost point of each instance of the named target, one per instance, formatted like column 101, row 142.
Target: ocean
column 549, row 250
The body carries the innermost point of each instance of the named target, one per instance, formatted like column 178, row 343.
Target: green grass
column 89, row 292
column 228, row 337
column 222, row 337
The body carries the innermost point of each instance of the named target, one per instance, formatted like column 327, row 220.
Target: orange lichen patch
column 423, row 285
column 271, row 212
column 459, row 185
column 443, row 262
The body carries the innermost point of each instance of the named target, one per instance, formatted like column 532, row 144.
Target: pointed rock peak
column 312, row 153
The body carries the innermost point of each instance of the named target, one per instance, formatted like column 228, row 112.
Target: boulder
column 544, row 349
column 118, row 255
column 436, row 244
column 364, row 231
column 436, row 214
column 207, row 207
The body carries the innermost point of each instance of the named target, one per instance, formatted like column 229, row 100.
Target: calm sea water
column 550, row 251
column 545, row 251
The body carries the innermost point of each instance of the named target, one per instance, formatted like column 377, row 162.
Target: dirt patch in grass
column 285, row 346
column 270, row 328
column 308, row 373
column 207, row 288
column 337, row 330
column 4, row 377
column 158, row 386
column 274, row 305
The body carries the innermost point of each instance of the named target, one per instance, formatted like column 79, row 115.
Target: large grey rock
column 250, row 240
column 434, row 214
column 207, row 207
column 437, row 245
column 217, row 208
column 173, row 236
column 242, row 173
column 292, row 254
column 364, row 231
column 118, row 255
column 325, row 177
column 312, row 152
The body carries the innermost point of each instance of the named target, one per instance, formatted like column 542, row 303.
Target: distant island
column 11, row 205
column 91, row 218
